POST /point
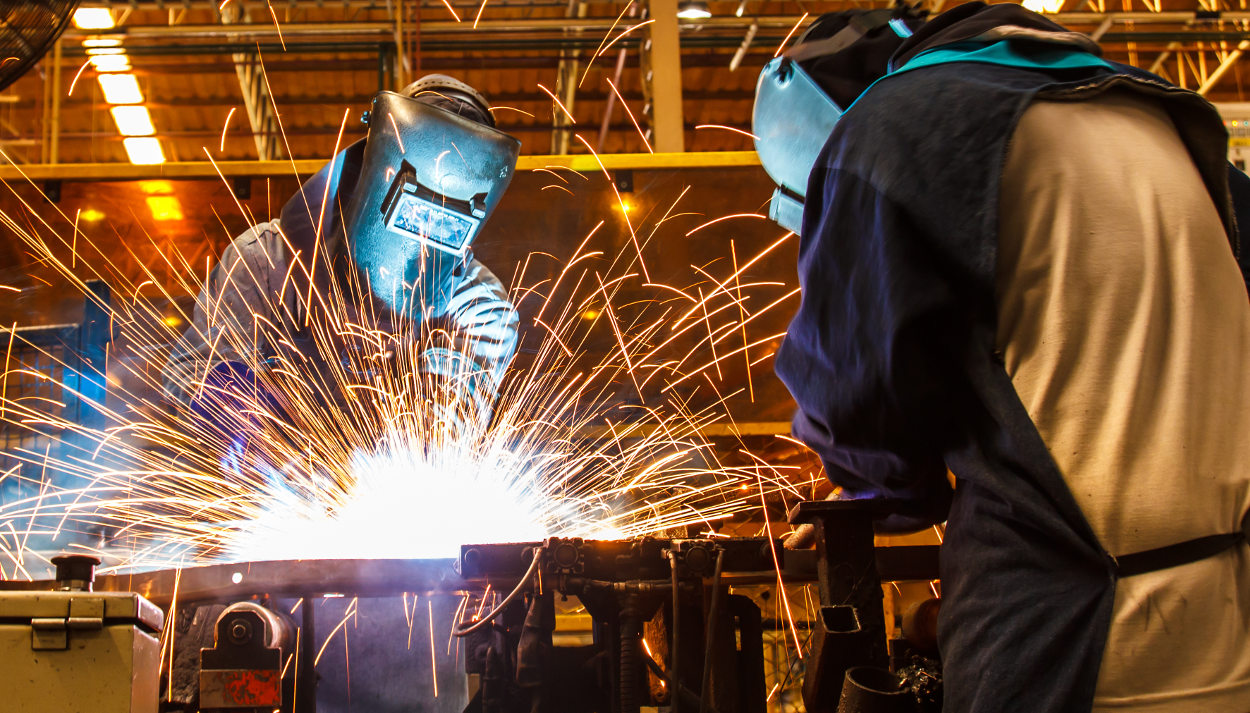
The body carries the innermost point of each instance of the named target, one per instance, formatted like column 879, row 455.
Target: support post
column 54, row 137
column 665, row 78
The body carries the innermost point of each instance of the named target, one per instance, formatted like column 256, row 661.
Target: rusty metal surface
column 240, row 689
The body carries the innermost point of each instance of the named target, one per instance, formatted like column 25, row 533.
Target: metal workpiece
column 745, row 559
column 850, row 627
column 79, row 652
column 655, row 605
column 280, row 578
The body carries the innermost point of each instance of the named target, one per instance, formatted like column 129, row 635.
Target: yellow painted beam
column 306, row 167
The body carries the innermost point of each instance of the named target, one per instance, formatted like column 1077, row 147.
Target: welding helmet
column 801, row 95
column 433, row 168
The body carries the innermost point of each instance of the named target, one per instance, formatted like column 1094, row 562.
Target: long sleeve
column 238, row 292
column 871, row 357
column 483, row 331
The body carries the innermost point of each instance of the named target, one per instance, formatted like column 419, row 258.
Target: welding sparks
column 358, row 453
column 224, row 128
column 790, row 34
column 747, row 134
column 559, row 103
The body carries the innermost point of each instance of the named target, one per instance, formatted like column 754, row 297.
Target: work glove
column 462, row 392
column 234, row 406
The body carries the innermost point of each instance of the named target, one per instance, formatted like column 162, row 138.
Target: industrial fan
column 28, row 28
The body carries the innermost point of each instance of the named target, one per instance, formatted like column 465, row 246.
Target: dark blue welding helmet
column 433, row 169
column 801, row 95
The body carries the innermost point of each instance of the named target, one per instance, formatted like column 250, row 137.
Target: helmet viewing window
column 419, row 213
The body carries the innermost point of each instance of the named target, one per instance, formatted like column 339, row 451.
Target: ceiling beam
column 306, row 167
column 351, row 133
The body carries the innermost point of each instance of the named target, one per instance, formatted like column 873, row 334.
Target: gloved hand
column 463, row 393
column 232, row 404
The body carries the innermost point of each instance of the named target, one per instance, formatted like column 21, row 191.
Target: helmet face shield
column 429, row 179
column 792, row 119
column 802, row 94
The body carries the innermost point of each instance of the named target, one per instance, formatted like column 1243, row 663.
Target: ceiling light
column 94, row 51
column 93, row 18
column 133, row 120
column 164, row 208
column 111, row 63
column 1050, row 6
column 101, row 42
column 144, row 150
column 120, row 89
column 159, row 187
column 693, row 10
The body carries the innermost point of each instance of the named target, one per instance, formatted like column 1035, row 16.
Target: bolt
column 240, row 632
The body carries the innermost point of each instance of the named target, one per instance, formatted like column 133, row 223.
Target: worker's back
column 1125, row 326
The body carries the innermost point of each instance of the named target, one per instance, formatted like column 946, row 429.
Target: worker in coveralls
column 1020, row 261
column 392, row 218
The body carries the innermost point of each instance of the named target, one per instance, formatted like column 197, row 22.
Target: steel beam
column 305, row 167
column 385, row 30
column 1225, row 65
column 257, row 102
column 566, row 86
column 54, row 131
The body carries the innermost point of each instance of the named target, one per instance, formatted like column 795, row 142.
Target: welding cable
column 529, row 573
column 713, row 611
column 676, row 624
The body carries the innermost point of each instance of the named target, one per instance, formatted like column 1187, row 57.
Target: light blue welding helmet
column 433, row 169
column 803, row 93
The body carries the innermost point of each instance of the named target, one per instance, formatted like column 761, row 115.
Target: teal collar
column 1029, row 55
column 1005, row 53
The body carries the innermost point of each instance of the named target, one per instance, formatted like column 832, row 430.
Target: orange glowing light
column 165, row 208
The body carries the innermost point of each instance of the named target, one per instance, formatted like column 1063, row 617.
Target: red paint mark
column 252, row 688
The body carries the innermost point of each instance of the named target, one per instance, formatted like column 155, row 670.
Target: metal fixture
column 693, row 10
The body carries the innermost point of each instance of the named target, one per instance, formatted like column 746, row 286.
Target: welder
column 1020, row 262
column 389, row 223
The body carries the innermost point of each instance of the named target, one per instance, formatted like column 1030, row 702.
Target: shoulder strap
column 1180, row 553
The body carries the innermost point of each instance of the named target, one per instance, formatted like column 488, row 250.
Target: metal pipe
column 616, row 80
column 386, row 29
column 587, row 23
column 1158, row 63
column 45, row 109
column 401, row 68
column 675, row 623
column 54, row 137
column 744, row 47
column 630, row 635
column 1102, row 30
column 705, row 695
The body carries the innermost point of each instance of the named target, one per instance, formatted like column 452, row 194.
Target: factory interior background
column 641, row 409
